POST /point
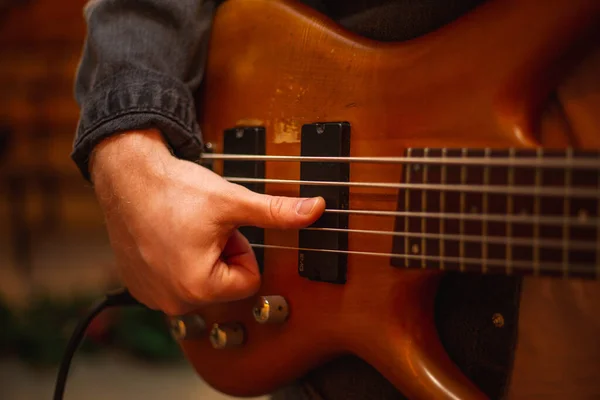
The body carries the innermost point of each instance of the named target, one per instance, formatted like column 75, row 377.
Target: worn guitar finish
column 481, row 82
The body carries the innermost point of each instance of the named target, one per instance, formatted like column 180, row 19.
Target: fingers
column 236, row 275
column 277, row 212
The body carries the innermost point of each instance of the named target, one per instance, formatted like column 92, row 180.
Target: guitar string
column 503, row 189
column 467, row 238
column 588, row 162
column 586, row 220
column 548, row 163
column 519, row 264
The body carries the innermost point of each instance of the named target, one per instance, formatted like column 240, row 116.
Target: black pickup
column 248, row 141
column 325, row 140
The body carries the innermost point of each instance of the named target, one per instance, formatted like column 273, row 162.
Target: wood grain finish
column 482, row 81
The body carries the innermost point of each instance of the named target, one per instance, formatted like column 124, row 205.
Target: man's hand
column 173, row 224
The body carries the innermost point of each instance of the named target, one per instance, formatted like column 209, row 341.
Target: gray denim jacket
column 141, row 63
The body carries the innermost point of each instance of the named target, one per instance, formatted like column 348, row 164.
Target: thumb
column 276, row 212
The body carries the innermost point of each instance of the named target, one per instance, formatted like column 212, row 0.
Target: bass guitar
column 434, row 155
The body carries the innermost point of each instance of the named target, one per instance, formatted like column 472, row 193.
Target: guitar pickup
column 247, row 141
column 325, row 140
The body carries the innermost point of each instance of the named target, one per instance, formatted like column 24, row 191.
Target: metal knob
column 227, row 335
column 271, row 310
column 188, row 327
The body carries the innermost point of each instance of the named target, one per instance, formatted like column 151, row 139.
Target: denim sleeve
column 142, row 61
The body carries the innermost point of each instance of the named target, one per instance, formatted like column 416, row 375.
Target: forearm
column 141, row 64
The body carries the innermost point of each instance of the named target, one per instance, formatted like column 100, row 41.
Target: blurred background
column 54, row 252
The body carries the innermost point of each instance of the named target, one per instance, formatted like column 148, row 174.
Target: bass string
column 537, row 242
column 582, row 220
column 538, row 162
column 592, row 161
column 518, row 264
column 565, row 192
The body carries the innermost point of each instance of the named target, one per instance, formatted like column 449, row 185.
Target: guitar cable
column 117, row 298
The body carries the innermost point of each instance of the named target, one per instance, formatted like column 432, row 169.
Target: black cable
column 120, row 297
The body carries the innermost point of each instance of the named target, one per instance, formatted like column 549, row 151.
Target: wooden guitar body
column 481, row 82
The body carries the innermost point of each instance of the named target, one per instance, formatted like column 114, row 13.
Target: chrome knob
column 187, row 327
column 224, row 336
column 271, row 310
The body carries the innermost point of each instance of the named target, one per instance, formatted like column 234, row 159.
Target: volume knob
column 187, row 327
column 271, row 310
column 224, row 336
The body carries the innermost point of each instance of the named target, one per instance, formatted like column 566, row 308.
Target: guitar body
column 481, row 82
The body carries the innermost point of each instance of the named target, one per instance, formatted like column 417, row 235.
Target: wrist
column 128, row 160
column 129, row 151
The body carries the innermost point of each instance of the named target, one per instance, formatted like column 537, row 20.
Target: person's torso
column 393, row 20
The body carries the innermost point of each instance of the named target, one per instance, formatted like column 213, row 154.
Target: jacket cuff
column 133, row 100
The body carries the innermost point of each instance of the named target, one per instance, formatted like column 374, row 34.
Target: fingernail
column 305, row 206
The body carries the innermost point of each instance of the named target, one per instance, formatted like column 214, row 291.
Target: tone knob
column 271, row 310
column 228, row 335
column 188, row 327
